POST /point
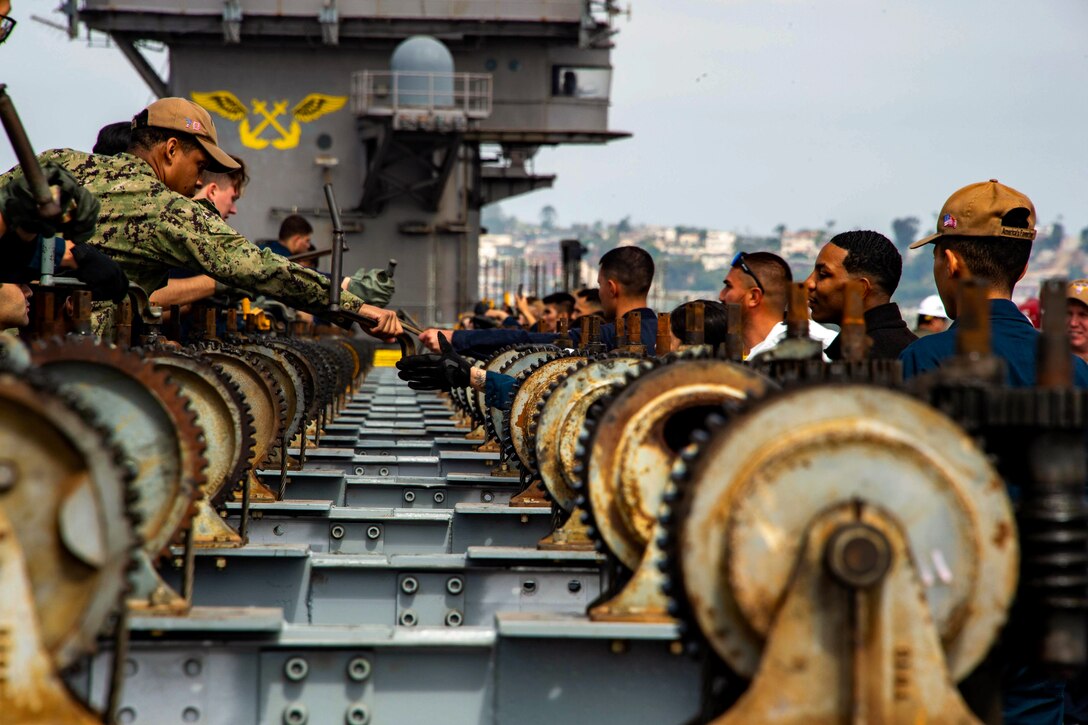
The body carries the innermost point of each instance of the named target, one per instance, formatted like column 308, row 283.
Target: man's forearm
column 184, row 291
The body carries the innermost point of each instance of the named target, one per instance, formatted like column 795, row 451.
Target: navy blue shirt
column 1012, row 337
column 499, row 388
column 482, row 343
column 1030, row 698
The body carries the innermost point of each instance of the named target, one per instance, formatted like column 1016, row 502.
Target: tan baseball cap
column 1078, row 290
column 977, row 210
column 181, row 114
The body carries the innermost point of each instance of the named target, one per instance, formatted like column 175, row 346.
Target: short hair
column 113, row 138
column 715, row 321
column 998, row 260
column 293, row 226
column 632, row 267
column 871, row 254
column 590, row 294
column 238, row 178
column 562, row 301
column 774, row 274
column 144, row 138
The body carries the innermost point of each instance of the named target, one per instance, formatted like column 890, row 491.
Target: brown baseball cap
column 977, row 210
column 1078, row 290
column 181, row 114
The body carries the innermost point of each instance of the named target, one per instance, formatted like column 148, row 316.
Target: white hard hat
column 932, row 307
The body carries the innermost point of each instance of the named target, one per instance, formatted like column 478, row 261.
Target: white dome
column 421, row 54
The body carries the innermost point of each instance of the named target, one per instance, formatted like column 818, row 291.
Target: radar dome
column 423, row 68
column 421, row 54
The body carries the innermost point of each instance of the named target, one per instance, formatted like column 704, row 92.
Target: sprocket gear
column 153, row 423
column 563, row 408
column 78, row 536
column 633, row 434
column 528, row 390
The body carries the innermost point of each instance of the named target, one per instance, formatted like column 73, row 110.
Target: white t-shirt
column 778, row 333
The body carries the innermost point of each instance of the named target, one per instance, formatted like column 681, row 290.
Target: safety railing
column 393, row 93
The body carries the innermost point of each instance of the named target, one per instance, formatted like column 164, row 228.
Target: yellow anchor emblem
column 227, row 105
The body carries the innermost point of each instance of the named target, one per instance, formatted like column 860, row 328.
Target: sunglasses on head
column 738, row 261
column 6, row 26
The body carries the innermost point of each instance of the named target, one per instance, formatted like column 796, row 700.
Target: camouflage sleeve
column 201, row 240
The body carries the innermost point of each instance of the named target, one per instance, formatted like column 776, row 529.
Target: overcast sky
column 747, row 113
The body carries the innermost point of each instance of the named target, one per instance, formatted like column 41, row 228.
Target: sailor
column 623, row 280
column 219, row 192
column 22, row 230
column 872, row 259
column 587, row 302
column 113, row 138
column 555, row 304
column 759, row 282
column 294, row 237
column 984, row 231
column 931, row 317
column 149, row 222
column 715, row 323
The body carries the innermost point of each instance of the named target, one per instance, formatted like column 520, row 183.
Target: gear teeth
column 508, row 413
column 170, row 397
column 675, row 504
column 45, row 385
column 279, row 398
column 489, row 420
column 674, row 499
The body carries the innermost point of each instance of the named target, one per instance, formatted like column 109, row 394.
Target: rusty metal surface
column 151, row 420
column 220, row 412
column 759, row 481
column 629, row 459
column 861, row 654
column 515, row 367
column 524, row 405
column 257, row 388
column 288, row 380
column 31, row 690
column 55, row 457
column 493, row 365
column 560, row 420
column 307, row 366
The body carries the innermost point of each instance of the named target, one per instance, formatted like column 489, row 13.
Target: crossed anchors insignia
column 310, row 108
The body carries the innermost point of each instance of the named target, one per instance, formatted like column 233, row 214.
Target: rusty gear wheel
column 289, row 382
column 529, row 390
column 633, row 434
column 493, row 365
column 266, row 400
column 223, row 415
column 561, row 413
column 516, row 366
column 821, row 447
column 151, row 420
column 68, row 496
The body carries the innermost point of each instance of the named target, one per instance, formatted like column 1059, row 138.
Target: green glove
column 79, row 207
column 373, row 286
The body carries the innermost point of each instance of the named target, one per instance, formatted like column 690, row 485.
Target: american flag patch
column 948, row 221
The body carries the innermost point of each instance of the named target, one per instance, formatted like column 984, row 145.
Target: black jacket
column 885, row 327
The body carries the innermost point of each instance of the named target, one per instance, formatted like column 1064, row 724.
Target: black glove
column 435, row 372
column 79, row 207
column 105, row 277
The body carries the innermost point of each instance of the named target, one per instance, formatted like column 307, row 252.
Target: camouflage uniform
column 148, row 229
